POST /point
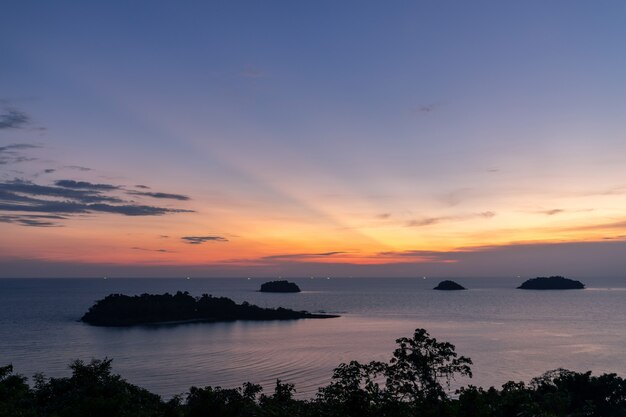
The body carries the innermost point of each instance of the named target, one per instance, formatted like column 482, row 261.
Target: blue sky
column 300, row 128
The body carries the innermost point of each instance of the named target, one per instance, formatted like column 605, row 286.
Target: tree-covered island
column 125, row 310
column 551, row 283
column 279, row 286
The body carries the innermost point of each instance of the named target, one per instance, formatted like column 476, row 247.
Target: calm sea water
column 509, row 334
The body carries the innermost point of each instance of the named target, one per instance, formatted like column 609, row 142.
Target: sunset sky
column 322, row 138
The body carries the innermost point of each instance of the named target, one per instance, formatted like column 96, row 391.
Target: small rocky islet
column 551, row 283
column 279, row 286
column 125, row 310
column 449, row 285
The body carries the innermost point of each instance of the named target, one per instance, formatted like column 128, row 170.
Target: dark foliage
column 91, row 391
column 415, row 382
column 16, row 397
column 124, row 310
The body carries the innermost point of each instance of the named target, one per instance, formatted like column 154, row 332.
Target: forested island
column 279, row 286
column 551, row 283
column 449, row 285
column 414, row 382
column 125, row 310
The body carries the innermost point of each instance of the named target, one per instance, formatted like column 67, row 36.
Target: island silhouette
column 551, row 283
column 449, row 285
column 125, row 310
column 279, row 286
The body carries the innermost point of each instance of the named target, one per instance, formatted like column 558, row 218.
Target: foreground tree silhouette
column 355, row 391
column 422, row 368
column 417, row 376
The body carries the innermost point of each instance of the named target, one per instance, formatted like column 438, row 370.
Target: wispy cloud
column 169, row 196
column 198, row 240
column 11, row 154
column 251, row 72
column 15, row 146
column 551, row 212
column 32, row 220
column 618, row 237
column 12, row 118
column 23, row 187
column 134, row 210
column 84, row 185
column 65, row 207
column 619, row 225
column 428, row 221
column 297, row 256
column 555, row 211
column 78, row 168
column 425, row 108
column 455, row 197
column 619, row 190
column 20, row 196
column 29, row 203
column 153, row 250
column 420, row 255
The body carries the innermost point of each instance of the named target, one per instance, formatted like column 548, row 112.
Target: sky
column 280, row 138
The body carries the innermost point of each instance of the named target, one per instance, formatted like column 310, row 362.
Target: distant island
column 551, row 283
column 125, row 310
column 279, row 286
column 448, row 285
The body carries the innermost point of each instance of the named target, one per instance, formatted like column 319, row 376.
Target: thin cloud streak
column 78, row 168
column 427, row 221
column 198, row 240
column 153, row 250
column 32, row 220
column 552, row 212
column 84, row 185
column 64, row 207
column 168, row 196
column 296, row 256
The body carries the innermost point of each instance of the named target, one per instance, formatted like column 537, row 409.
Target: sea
column 509, row 334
